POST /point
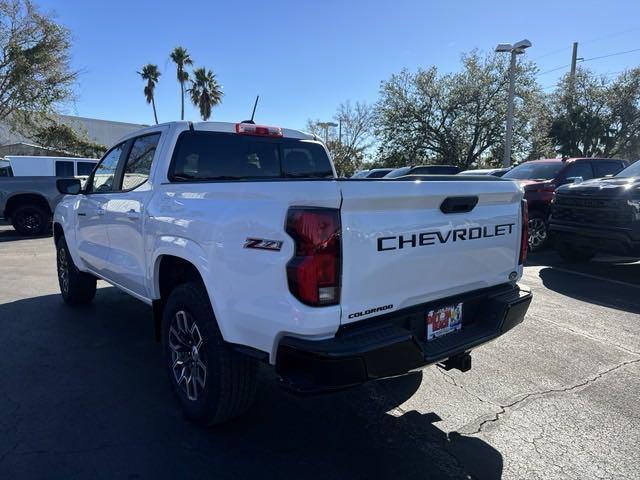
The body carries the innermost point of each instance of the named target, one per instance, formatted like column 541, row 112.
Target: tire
column 571, row 254
column 30, row 220
column 213, row 382
column 76, row 287
column 538, row 231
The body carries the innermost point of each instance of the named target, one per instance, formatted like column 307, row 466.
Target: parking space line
column 596, row 277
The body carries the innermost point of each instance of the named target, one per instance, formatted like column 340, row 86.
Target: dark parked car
column 540, row 178
column 598, row 216
column 423, row 170
column 496, row 172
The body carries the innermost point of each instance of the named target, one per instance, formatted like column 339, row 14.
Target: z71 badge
column 263, row 244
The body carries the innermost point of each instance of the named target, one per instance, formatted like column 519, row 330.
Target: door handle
column 133, row 214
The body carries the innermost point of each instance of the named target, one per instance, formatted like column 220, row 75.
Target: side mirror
column 575, row 179
column 69, row 186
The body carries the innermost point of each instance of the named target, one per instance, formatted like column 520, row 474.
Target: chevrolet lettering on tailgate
column 422, row 239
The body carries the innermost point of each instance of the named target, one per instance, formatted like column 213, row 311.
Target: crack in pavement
column 504, row 408
column 463, row 388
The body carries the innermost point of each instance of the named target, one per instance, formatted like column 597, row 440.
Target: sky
column 305, row 57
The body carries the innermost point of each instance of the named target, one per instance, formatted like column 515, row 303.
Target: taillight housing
column 314, row 272
column 524, row 239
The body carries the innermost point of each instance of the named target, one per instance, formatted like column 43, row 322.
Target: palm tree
column 181, row 57
column 205, row 91
column 150, row 73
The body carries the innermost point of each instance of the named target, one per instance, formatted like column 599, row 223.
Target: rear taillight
column 314, row 271
column 259, row 130
column 524, row 239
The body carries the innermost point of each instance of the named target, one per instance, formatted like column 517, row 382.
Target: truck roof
column 223, row 127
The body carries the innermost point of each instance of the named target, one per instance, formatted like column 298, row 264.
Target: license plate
column 443, row 321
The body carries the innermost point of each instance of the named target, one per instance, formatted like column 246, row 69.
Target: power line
column 611, row 35
column 554, row 70
column 611, row 55
column 591, row 59
column 582, row 42
column 551, row 53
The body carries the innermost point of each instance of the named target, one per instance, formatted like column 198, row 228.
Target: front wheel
column 538, row 232
column 76, row 287
column 213, row 382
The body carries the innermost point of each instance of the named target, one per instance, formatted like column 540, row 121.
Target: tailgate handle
column 458, row 204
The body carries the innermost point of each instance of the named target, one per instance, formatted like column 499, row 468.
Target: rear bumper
column 395, row 343
column 610, row 240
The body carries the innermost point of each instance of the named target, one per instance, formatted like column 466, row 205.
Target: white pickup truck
column 251, row 250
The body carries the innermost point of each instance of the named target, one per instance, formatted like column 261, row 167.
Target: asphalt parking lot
column 83, row 393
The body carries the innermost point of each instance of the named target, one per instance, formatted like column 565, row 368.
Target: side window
column 105, row 172
column 308, row 160
column 138, row 166
column 602, row 168
column 64, row 168
column 580, row 169
column 85, row 168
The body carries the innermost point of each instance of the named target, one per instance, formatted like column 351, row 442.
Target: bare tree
column 348, row 141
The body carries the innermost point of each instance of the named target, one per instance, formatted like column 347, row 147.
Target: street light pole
column 506, row 160
column 515, row 49
column 325, row 126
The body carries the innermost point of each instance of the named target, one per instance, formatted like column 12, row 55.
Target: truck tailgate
column 401, row 249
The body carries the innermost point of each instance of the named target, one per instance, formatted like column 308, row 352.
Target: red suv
column 540, row 178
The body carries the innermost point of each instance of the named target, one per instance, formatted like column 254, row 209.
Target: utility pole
column 574, row 60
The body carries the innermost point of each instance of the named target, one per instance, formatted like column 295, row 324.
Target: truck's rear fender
column 211, row 225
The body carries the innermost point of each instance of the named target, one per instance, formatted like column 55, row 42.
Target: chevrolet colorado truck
column 249, row 249
column 598, row 216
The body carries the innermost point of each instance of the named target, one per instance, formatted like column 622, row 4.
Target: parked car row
column 540, row 179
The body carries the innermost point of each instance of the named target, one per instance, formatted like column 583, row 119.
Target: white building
column 104, row 132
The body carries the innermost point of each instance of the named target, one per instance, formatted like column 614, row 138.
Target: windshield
column 535, row 171
column 398, row 172
column 632, row 170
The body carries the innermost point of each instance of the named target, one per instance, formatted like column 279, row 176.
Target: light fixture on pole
column 515, row 49
column 325, row 126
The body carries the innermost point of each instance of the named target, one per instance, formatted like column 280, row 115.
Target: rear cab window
column 202, row 156
column 602, row 168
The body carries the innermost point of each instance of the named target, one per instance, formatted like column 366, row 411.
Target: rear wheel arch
column 170, row 271
column 21, row 199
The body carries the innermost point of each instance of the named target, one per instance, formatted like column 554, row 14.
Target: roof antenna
column 254, row 111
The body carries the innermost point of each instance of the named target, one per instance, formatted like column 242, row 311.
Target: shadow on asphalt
column 84, row 395
column 607, row 294
column 10, row 235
